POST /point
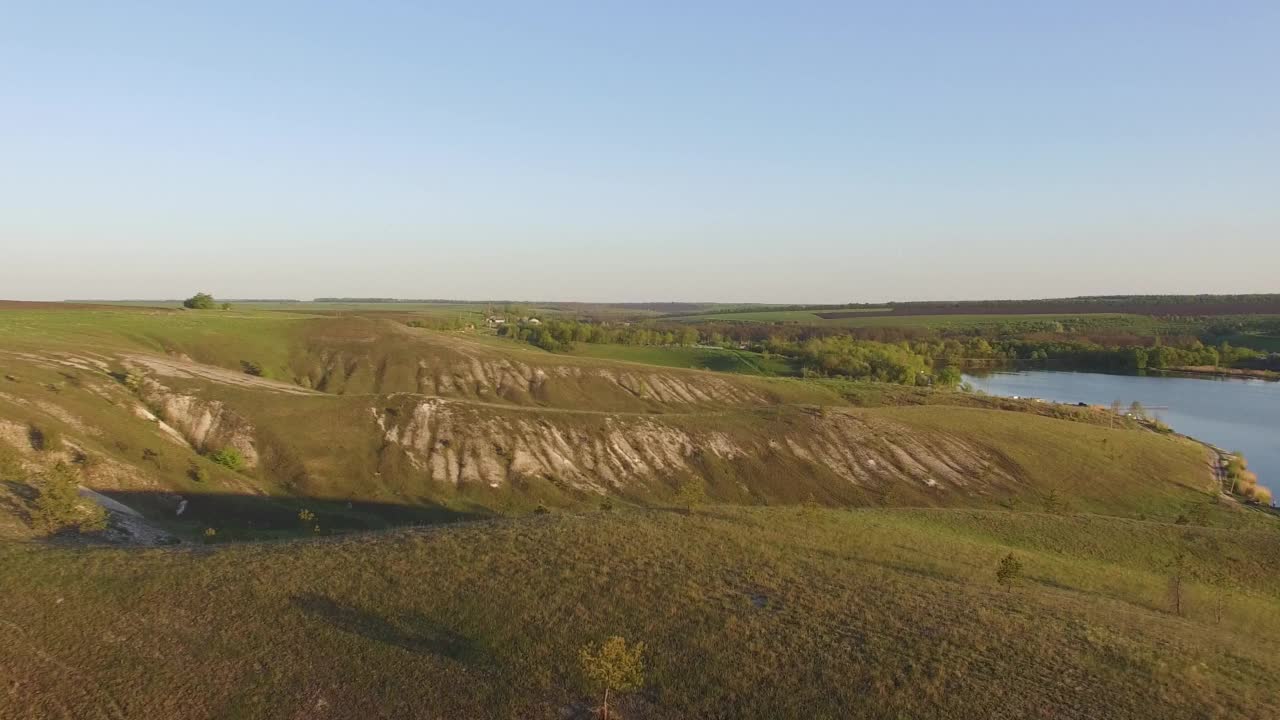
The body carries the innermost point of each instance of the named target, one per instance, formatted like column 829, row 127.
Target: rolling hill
column 784, row 547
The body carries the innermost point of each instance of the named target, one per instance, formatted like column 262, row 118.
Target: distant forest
column 1156, row 305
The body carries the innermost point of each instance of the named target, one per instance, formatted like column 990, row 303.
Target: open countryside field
column 805, row 316
column 443, row 520
column 872, row 317
column 745, row 613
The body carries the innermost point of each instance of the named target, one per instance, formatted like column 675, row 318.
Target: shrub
column 44, row 439
column 58, row 506
column 690, row 494
column 308, row 519
column 199, row 301
column 229, row 458
column 197, row 472
column 1261, row 495
column 612, row 666
column 1008, row 571
column 1053, row 502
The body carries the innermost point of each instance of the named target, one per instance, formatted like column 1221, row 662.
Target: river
column 1234, row 414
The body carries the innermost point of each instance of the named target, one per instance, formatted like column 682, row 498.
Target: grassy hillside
column 784, row 547
column 760, row 613
column 369, row 423
column 718, row 360
column 373, row 460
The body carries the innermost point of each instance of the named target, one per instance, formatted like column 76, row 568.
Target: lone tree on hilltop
column 612, row 666
column 199, row 301
column 1008, row 571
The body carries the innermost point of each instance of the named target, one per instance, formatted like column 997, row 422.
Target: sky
column 800, row 152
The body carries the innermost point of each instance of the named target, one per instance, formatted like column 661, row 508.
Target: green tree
column 1008, row 571
column 612, row 667
column 948, row 377
column 1053, row 502
column 199, row 301
column 58, row 506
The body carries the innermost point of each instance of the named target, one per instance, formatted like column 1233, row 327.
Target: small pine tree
column 612, row 666
column 1053, row 502
column 59, row 506
column 1008, row 571
column 1177, row 571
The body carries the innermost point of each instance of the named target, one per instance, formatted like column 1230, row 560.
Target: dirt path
column 177, row 367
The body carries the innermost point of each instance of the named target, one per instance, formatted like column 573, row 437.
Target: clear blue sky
column 783, row 152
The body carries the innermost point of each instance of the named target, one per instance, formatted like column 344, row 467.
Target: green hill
column 839, row 559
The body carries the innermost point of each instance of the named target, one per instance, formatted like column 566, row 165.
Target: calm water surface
column 1241, row 415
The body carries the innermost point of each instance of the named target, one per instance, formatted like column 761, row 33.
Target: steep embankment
column 401, row 424
column 361, row 460
column 351, row 356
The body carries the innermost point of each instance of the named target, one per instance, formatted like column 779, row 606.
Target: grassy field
column 731, row 361
column 797, row 316
column 1259, row 341
column 761, row 613
column 950, row 322
column 221, row 337
column 840, row 560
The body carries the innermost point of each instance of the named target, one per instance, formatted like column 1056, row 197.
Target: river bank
column 1232, row 413
column 1215, row 371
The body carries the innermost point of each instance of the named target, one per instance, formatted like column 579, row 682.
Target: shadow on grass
column 16, row 501
column 241, row 516
column 409, row 631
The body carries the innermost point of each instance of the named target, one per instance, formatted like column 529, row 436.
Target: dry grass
column 747, row 613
